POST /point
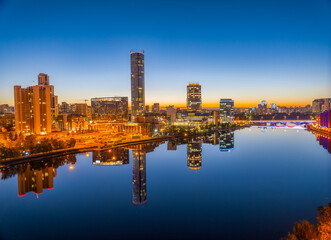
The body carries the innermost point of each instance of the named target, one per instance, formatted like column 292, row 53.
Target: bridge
column 296, row 124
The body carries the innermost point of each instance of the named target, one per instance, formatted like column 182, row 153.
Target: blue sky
column 278, row 50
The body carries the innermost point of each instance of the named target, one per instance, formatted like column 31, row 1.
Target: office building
column 193, row 102
column 147, row 110
column 33, row 109
column 79, row 108
column 137, row 83
column 110, row 108
column 226, row 110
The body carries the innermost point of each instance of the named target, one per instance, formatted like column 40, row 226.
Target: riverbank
column 63, row 152
column 319, row 130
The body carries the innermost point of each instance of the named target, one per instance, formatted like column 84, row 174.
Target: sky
column 277, row 50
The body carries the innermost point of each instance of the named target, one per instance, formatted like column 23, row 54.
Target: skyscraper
column 226, row 110
column 137, row 83
column 193, row 103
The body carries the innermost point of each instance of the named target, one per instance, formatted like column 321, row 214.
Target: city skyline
column 285, row 61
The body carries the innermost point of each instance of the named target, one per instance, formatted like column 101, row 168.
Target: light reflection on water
column 250, row 184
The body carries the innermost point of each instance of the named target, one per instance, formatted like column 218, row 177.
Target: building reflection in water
column 194, row 152
column 35, row 180
column 139, row 194
column 116, row 156
column 36, row 176
column 139, row 185
column 226, row 141
column 324, row 141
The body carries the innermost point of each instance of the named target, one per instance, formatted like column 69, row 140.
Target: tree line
column 19, row 145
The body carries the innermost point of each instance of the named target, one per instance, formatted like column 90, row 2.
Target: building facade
column 320, row 105
column 33, row 109
column 137, row 83
column 226, row 110
column 110, row 108
column 194, row 102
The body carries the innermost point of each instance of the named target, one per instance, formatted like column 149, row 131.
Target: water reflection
column 113, row 157
column 36, row 176
column 139, row 193
column 324, row 141
column 194, row 152
column 35, row 180
column 226, row 141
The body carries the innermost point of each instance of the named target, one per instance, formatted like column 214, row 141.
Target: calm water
column 250, row 184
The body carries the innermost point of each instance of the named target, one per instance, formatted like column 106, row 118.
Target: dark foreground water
column 251, row 184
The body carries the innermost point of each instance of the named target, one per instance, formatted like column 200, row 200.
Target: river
column 249, row 184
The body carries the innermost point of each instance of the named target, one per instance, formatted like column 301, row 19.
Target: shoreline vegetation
column 304, row 230
column 29, row 148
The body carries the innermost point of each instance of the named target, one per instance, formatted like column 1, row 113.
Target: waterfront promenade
column 91, row 146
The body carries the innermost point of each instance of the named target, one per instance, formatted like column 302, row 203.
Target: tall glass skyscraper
column 137, row 83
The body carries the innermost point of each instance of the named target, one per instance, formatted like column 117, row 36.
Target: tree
column 307, row 231
column 29, row 142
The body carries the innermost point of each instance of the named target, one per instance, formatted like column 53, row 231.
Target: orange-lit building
column 194, row 102
column 35, row 106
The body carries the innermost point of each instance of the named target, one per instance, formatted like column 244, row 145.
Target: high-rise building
column 33, row 109
column 156, row 108
column 147, row 108
column 226, row 110
column 43, row 80
column 273, row 105
column 139, row 193
column 193, row 102
column 110, row 108
column 137, row 83
column 264, row 103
